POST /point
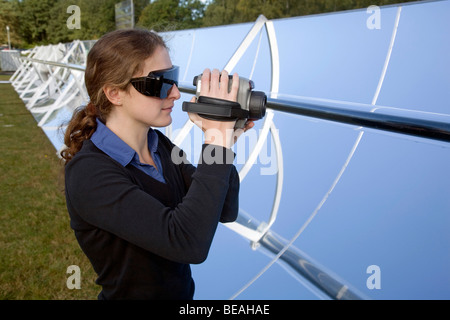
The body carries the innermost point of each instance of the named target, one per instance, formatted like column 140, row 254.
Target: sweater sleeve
column 101, row 193
column 231, row 205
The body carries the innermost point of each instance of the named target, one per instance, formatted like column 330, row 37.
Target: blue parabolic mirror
column 370, row 208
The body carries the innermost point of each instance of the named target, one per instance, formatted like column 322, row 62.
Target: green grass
column 36, row 241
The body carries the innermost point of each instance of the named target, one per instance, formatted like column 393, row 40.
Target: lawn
column 37, row 244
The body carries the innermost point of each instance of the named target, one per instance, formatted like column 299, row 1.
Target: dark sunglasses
column 157, row 83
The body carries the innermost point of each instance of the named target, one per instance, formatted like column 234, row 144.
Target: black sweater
column 140, row 234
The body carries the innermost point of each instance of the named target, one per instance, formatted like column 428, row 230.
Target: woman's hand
column 215, row 85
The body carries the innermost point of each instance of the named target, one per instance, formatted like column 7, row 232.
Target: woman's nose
column 174, row 93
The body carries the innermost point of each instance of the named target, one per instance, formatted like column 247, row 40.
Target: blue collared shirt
column 107, row 141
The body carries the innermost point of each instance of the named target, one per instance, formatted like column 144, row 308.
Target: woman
column 140, row 217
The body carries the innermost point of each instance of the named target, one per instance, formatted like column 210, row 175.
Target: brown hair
column 113, row 60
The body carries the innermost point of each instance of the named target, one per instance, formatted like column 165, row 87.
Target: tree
column 97, row 18
column 249, row 10
column 139, row 5
column 165, row 15
column 221, row 12
column 34, row 16
column 9, row 17
column 34, row 22
column 58, row 31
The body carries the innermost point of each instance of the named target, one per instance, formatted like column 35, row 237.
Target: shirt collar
column 107, row 141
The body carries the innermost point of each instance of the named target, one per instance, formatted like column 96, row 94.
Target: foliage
column 34, row 22
column 9, row 16
column 163, row 15
column 97, row 18
column 35, row 16
column 220, row 12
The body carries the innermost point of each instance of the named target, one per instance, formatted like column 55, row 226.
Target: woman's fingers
column 234, row 87
column 248, row 125
column 215, row 84
column 205, row 82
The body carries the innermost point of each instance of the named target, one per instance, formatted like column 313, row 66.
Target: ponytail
column 81, row 127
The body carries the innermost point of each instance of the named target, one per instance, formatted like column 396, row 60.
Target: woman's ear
column 113, row 95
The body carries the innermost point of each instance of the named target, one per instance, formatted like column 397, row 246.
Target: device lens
column 257, row 105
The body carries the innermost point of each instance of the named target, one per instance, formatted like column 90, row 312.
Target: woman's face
column 151, row 111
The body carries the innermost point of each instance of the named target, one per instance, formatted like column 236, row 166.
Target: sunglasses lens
column 157, row 83
column 169, row 79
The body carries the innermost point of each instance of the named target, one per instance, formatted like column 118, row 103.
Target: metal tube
column 430, row 129
column 9, row 39
column 311, row 272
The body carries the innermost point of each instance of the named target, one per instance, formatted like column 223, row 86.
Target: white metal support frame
column 249, row 231
column 52, row 83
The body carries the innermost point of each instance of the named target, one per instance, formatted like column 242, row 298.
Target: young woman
column 140, row 217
